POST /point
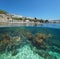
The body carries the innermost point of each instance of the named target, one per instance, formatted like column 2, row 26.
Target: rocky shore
column 5, row 24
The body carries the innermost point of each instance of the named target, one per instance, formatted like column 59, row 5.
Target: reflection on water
column 29, row 43
column 50, row 25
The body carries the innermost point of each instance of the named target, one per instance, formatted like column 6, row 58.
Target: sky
column 45, row 9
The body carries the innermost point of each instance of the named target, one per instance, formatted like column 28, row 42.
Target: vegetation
column 1, row 16
column 46, row 21
column 25, row 18
column 15, row 18
column 35, row 18
column 3, row 12
column 41, row 21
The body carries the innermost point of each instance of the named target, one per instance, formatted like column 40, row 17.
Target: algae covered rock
column 29, row 35
column 39, row 40
column 15, row 39
column 8, row 42
column 14, row 52
column 41, row 35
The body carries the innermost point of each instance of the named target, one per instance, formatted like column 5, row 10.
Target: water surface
column 38, row 42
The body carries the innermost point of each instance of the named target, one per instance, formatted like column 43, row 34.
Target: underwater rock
column 39, row 40
column 9, row 43
column 55, row 49
column 4, row 42
column 29, row 35
column 14, row 52
column 41, row 36
column 5, row 39
column 50, row 57
column 46, row 55
column 14, row 42
column 2, row 48
column 56, row 44
column 49, row 35
column 15, row 39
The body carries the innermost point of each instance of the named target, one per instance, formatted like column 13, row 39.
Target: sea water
column 25, row 48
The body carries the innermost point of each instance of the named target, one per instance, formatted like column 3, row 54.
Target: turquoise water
column 50, row 25
column 40, row 42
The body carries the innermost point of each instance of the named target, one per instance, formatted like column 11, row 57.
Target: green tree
column 35, row 19
column 46, row 21
column 3, row 12
column 41, row 20
column 15, row 18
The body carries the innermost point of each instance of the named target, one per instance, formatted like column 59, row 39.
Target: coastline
column 3, row 24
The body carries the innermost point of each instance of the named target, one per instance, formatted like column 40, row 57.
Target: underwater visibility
column 29, row 43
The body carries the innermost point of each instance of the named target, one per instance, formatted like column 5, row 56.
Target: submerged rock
column 14, row 52
column 9, row 43
column 41, row 35
column 40, row 41
column 50, row 35
column 15, row 39
column 29, row 35
column 46, row 55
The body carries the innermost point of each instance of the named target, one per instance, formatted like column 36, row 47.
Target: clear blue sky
column 45, row 9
